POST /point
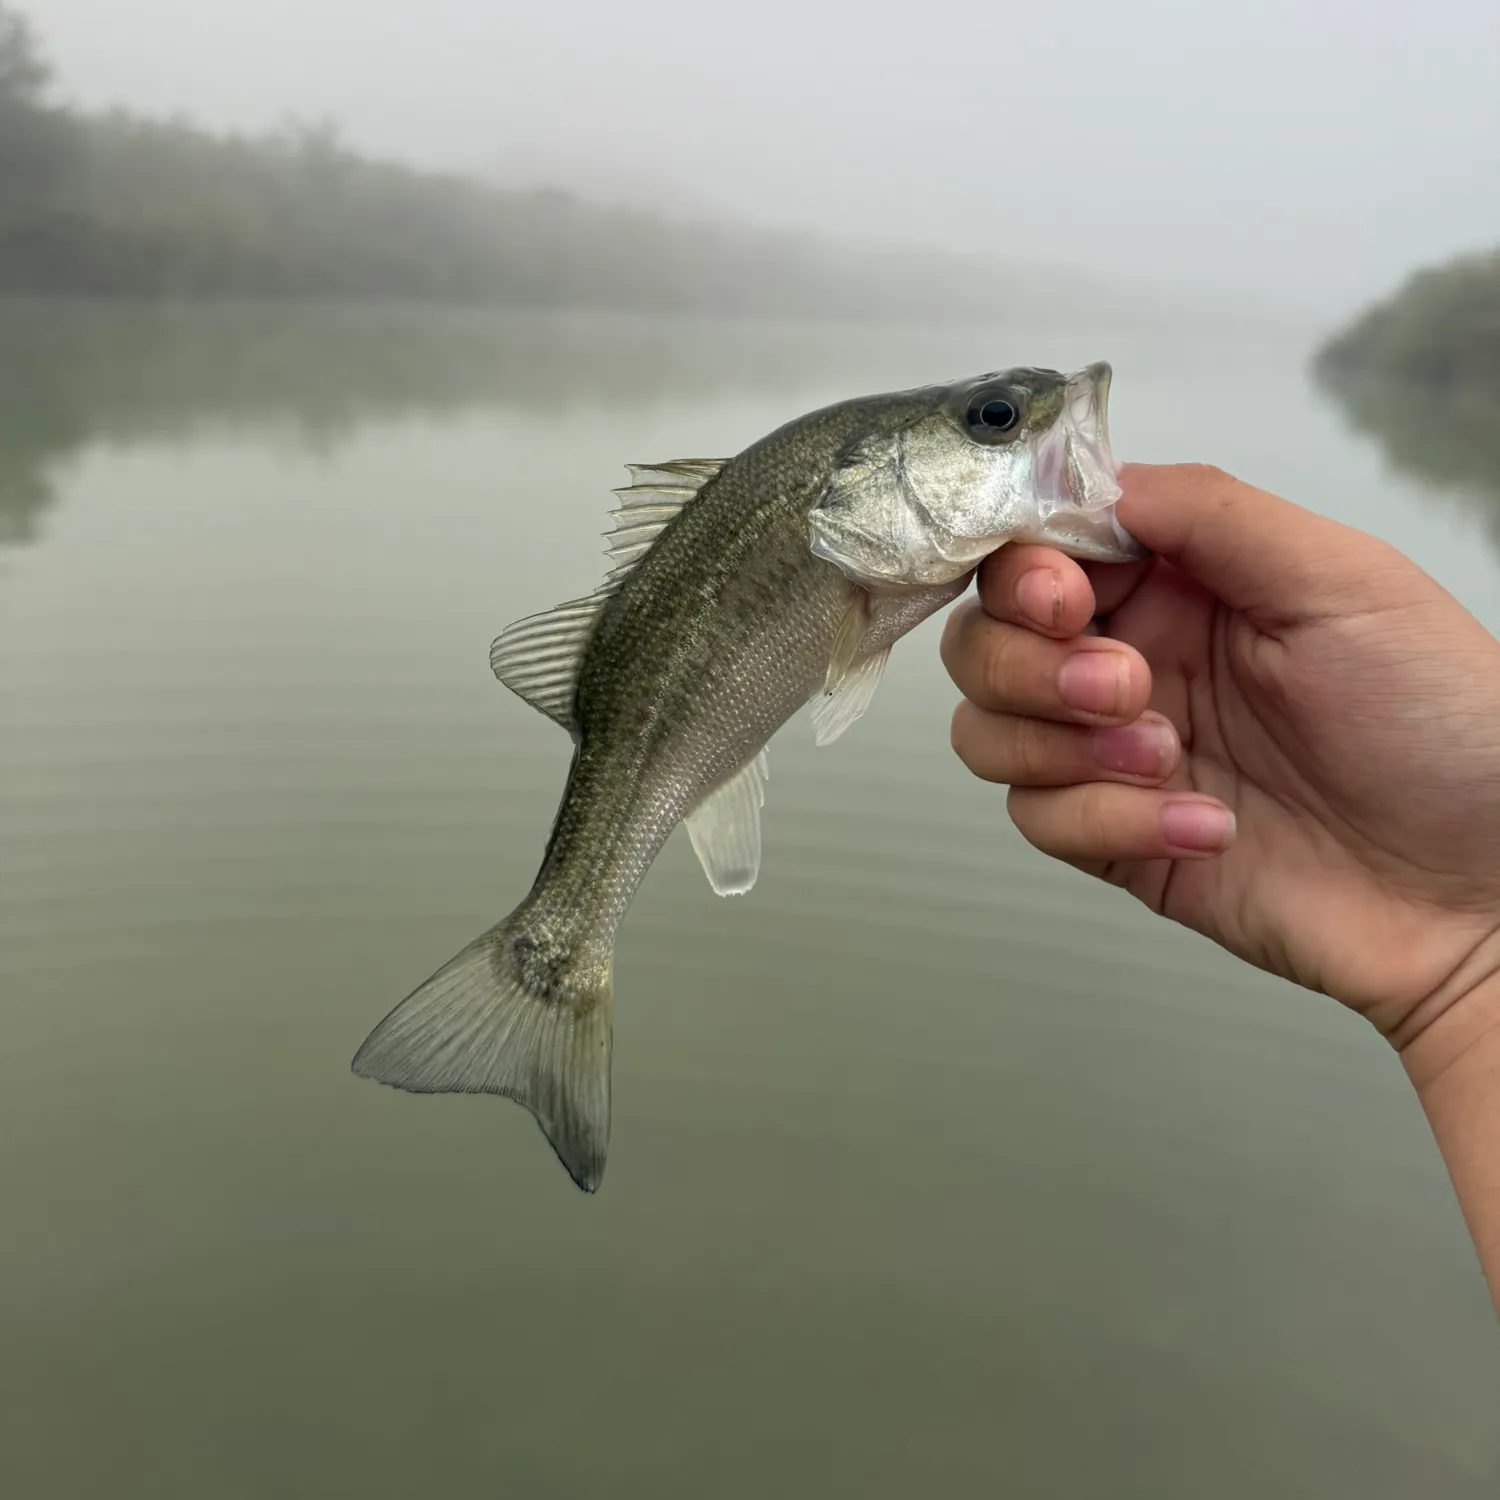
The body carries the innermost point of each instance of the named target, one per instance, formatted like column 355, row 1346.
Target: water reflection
column 76, row 372
column 256, row 778
column 1449, row 440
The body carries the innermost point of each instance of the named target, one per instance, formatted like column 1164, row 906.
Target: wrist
column 1468, row 1027
column 1462, row 1014
column 1455, row 1065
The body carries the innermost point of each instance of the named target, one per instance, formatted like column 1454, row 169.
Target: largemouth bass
column 741, row 590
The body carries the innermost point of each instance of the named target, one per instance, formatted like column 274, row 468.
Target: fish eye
column 990, row 415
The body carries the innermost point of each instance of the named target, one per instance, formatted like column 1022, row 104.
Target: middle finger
column 1006, row 669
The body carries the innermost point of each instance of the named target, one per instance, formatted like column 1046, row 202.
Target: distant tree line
column 1420, row 371
column 118, row 205
column 1440, row 329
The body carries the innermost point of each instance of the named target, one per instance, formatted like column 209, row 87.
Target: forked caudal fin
column 513, row 1015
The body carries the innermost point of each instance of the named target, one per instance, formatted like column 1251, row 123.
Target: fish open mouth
column 1075, row 469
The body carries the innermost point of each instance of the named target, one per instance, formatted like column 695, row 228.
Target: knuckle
column 1093, row 824
column 1031, row 749
column 1215, row 491
column 1390, row 575
column 993, row 673
column 1207, row 477
column 998, row 664
column 986, row 743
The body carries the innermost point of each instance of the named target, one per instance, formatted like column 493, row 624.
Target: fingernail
column 1095, row 682
column 1140, row 749
column 1197, row 827
column 1039, row 597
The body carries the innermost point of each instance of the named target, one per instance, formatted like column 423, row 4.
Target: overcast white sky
column 1309, row 150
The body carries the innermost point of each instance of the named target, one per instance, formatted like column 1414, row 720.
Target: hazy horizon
column 1307, row 155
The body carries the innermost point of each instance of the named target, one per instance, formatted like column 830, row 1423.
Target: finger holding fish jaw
column 1049, row 592
column 1037, row 587
column 1060, row 717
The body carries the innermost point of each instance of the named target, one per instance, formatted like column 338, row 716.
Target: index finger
column 1255, row 551
column 1037, row 587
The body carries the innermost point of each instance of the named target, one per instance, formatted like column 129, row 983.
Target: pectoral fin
column 833, row 712
column 851, row 631
column 851, row 680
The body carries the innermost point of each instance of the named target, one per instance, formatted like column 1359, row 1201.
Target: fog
column 937, row 1167
column 1305, row 152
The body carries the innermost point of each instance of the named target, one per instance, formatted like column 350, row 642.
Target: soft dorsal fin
column 539, row 657
column 725, row 829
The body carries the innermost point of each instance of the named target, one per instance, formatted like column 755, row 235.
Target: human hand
column 1285, row 736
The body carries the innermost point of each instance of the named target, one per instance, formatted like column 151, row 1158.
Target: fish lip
column 1075, row 468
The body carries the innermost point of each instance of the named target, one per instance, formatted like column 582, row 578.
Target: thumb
column 1256, row 552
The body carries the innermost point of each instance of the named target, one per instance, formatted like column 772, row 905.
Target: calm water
column 936, row 1169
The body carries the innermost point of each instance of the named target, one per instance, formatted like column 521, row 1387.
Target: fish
column 740, row 591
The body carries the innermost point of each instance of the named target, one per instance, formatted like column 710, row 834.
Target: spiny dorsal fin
column 539, row 657
column 650, row 501
column 725, row 829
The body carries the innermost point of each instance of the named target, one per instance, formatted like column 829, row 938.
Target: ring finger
column 1018, row 751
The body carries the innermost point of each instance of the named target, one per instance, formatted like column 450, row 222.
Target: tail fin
column 514, row 1015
